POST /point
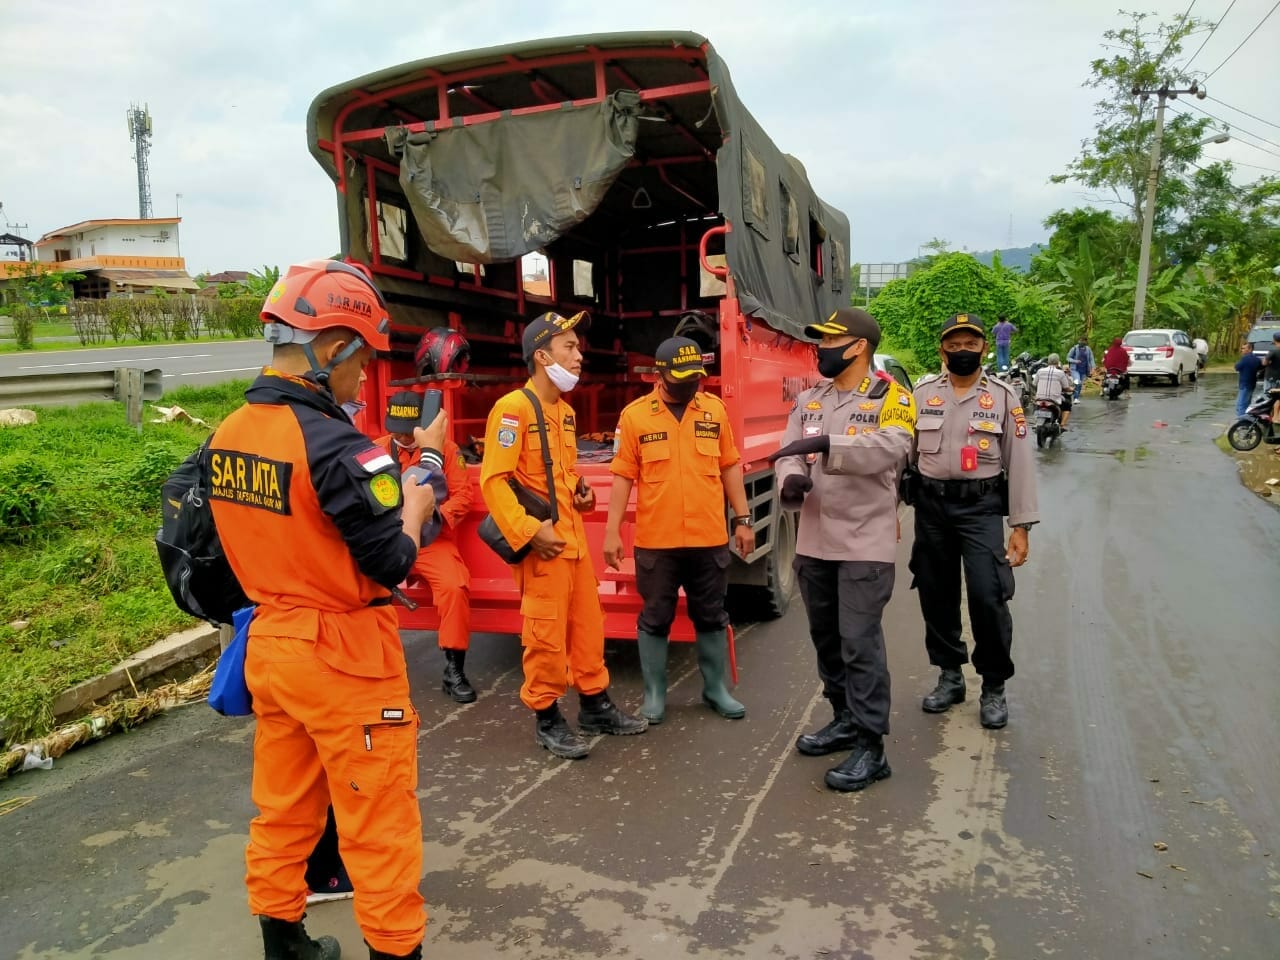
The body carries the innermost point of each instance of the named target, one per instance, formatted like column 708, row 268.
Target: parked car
column 1260, row 337
column 893, row 367
column 1161, row 353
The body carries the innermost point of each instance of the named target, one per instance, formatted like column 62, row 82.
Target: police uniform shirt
column 677, row 467
column 989, row 420
column 851, row 513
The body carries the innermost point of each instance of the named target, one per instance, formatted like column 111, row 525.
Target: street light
column 1216, row 138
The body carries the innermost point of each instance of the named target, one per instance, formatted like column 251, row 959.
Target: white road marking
column 98, row 363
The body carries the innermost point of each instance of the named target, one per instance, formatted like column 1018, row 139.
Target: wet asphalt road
column 1145, row 709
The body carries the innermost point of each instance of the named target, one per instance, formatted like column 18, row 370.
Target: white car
column 1161, row 353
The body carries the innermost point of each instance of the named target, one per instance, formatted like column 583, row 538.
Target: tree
column 260, row 284
column 53, row 288
column 1084, row 294
column 1115, row 161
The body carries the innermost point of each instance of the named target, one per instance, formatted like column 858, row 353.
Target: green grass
column 8, row 345
column 79, row 508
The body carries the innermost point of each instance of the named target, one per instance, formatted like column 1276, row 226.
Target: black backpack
column 195, row 568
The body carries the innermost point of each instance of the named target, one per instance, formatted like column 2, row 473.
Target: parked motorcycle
column 1113, row 384
column 1256, row 426
column 1048, row 422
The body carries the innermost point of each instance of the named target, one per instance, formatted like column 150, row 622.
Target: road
column 1144, row 711
column 191, row 363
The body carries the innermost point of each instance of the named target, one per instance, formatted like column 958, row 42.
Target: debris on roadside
column 175, row 413
column 1161, row 846
column 17, row 417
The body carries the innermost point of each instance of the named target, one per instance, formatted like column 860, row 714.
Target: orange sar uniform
column 439, row 563
column 681, row 537
column 308, row 512
column 563, row 630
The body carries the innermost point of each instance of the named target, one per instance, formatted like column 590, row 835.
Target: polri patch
column 986, row 401
column 250, row 480
column 506, row 437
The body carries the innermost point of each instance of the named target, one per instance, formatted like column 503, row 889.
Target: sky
column 918, row 119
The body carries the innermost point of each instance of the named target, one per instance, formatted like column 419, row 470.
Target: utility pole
column 1153, row 176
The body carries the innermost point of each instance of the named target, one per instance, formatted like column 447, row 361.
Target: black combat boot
column 863, row 767
column 282, row 940
column 839, row 734
column 993, row 711
column 598, row 714
column 414, row 954
column 950, row 689
column 455, row 682
column 552, row 731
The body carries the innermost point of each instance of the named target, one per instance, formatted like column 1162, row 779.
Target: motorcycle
column 1113, row 384
column 1256, row 426
column 1048, row 422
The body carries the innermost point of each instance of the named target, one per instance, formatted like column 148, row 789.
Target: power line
column 1187, row 66
column 1182, row 20
column 1237, row 163
column 1234, row 127
column 1245, row 40
column 1245, row 112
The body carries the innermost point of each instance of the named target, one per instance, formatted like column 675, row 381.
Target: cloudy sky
column 918, row 118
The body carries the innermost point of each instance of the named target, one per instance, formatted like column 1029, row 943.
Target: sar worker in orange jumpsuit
column 563, row 632
column 439, row 563
column 318, row 530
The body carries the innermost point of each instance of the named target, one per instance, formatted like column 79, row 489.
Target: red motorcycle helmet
column 442, row 350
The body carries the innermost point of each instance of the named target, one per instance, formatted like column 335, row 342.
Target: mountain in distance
column 1014, row 258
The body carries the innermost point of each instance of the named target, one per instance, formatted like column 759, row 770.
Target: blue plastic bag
column 229, row 694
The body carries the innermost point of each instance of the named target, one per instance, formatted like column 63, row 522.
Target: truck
column 618, row 174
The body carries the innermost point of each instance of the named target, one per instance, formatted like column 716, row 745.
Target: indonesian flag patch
column 374, row 459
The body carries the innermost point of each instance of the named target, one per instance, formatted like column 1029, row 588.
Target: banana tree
column 1086, row 296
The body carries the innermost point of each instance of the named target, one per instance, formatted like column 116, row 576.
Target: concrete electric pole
column 1153, row 176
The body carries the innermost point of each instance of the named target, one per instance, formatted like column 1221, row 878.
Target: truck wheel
column 780, row 571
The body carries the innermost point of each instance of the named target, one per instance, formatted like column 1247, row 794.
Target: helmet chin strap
column 322, row 373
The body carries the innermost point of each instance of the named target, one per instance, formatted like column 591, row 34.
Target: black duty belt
column 959, row 489
column 379, row 602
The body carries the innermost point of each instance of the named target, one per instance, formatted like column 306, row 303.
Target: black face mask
column 832, row 361
column 964, row 362
column 681, row 392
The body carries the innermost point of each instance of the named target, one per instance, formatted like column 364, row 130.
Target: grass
column 80, row 585
column 8, row 345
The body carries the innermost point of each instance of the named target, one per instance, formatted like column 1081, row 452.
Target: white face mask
column 404, row 446
column 564, row 380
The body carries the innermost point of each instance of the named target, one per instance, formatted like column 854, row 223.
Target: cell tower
column 140, row 134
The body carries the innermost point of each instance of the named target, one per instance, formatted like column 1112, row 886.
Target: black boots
column 598, row 714
column 414, row 954
column 839, row 734
column 863, row 767
column 553, row 732
column 993, row 711
column 950, row 689
column 282, row 940
column 455, row 682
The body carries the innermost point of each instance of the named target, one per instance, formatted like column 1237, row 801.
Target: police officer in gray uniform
column 972, row 465
column 846, row 442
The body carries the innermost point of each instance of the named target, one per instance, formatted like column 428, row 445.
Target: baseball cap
column 847, row 322
column 963, row 321
column 404, row 411
column 542, row 328
column 679, row 357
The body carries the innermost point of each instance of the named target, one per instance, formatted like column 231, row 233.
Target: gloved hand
column 820, row 444
column 795, row 486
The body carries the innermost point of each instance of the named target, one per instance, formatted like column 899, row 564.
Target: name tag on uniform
column 653, row 437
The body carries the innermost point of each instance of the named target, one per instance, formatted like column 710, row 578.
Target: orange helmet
column 320, row 294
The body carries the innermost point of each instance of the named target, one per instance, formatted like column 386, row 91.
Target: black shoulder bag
column 533, row 503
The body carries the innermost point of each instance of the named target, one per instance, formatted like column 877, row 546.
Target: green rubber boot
column 653, row 665
column 713, row 652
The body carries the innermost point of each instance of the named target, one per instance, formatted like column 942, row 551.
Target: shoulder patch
column 384, row 490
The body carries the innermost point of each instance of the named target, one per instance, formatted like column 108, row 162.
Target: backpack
column 195, row 568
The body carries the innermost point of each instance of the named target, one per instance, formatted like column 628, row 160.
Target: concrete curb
column 160, row 656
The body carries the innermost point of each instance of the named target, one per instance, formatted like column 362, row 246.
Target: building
column 118, row 257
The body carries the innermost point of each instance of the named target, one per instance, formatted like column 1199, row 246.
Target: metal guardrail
column 83, row 386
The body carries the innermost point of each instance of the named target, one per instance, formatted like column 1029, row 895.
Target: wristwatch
column 741, row 522
column 1023, row 526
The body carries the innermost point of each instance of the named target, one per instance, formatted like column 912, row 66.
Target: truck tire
column 780, row 574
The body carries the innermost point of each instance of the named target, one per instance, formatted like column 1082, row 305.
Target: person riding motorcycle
column 1054, row 384
column 1116, row 360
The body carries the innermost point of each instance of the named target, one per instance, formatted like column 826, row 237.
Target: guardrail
column 83, row 386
